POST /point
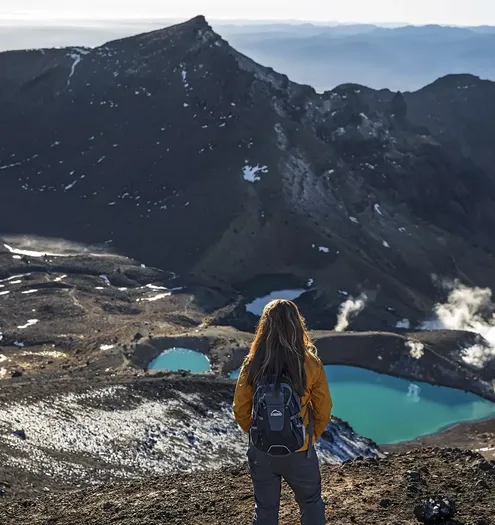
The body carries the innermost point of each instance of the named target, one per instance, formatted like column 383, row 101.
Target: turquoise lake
column 391, row 410
column 181, row 359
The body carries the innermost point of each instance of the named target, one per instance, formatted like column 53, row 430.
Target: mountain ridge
column 177, row 126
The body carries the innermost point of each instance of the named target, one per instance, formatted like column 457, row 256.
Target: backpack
column 277, row 426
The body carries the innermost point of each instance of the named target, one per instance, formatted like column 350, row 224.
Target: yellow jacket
column 317, row 393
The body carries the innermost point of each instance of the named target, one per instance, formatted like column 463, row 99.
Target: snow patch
column 10, row 166
column 30, row 322
column 77, row 59
column 32, row 253
column 154, row 287
column 71, row 185
column 257, row 306
column 156, row 297
column 251, row 172
column 10, row 279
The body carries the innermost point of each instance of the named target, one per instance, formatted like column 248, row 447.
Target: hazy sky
column 459, row 12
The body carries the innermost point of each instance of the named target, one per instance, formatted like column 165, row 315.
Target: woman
column 283, row 357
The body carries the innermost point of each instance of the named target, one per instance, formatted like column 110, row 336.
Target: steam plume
column 416, row 348
column 349, row 310
column 469, row 309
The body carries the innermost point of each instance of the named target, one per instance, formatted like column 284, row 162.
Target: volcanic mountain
column 172, row 179
column 178, row 151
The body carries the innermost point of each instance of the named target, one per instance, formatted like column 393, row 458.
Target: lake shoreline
column 381, row 352
column 474, row 435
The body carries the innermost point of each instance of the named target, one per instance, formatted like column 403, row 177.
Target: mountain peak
column 198, row 21
column 193, row 31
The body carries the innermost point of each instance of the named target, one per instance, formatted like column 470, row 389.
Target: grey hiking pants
column 301, row 473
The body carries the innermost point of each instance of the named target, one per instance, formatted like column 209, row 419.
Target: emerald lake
column 181, row 359
column 390, row 410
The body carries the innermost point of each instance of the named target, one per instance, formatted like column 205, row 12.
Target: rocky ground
column 58, row 434
column 78, row 310
column 363, row 492
column 74, row 310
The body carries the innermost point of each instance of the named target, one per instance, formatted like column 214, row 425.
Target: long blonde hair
column 280, row 346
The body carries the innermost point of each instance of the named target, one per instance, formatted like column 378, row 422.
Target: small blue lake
column 175, row 359
column 392, row 410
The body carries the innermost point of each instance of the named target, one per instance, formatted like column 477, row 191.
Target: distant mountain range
column 191, row 157
column 399, row 58
column 404, row 58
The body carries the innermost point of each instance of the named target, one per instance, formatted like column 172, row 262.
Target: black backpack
column 277, row 427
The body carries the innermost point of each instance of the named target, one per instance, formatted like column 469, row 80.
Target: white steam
column 469, row 309
column 416, row 349
column 478, row 355
column 349, row 310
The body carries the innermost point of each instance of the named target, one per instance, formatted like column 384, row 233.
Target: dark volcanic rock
column 189, row 156
column 21, row 434
column 438, row 509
